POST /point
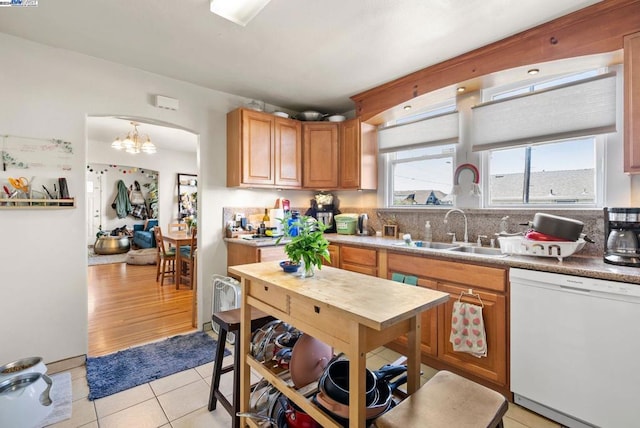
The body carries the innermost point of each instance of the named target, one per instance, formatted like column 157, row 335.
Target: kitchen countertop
column 592, row 267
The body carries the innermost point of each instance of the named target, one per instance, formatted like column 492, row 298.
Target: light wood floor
column 127, row 307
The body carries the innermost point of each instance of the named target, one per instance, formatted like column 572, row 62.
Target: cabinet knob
column 316, row 309
column 266, row 288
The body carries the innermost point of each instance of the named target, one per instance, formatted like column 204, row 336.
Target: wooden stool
column 448, row 400
column 229, row 321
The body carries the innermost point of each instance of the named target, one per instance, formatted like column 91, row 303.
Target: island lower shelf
column 300, row 397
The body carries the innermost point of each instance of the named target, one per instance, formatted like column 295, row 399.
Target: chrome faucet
column 466, row 236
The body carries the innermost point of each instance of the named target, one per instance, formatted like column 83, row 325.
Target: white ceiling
column 296, row 54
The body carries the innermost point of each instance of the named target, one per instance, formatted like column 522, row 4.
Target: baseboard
column 66, row 364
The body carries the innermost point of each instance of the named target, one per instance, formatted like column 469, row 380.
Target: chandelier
column 134, row 142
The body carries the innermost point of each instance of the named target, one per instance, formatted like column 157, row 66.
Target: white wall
column 168, row 163
column 48, row 93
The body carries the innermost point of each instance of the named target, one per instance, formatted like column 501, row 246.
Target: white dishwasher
column 575, row 348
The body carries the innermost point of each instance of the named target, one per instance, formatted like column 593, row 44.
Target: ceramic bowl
column 336, row 118
column 288, row 267
column 25, row 400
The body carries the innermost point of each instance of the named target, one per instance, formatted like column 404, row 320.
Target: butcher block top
column 370, row 301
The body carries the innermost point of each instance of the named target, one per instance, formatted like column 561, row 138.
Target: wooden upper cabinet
column 632, row 103
column 263, row 150
column 288, row 153
column 320, row 155
column 358, row 153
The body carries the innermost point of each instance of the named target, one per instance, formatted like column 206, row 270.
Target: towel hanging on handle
column 467, row 328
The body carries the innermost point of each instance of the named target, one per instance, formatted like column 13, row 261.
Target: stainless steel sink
column 478, row 250
column 424, row 244
column 435, row 245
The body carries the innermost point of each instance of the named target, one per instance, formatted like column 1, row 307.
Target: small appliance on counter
column 621, row 231
column 324, row 210
column 363, row 224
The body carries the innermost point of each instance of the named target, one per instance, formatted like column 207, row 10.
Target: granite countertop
column 592, row 267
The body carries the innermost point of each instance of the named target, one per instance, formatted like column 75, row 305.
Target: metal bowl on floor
column 22, row 366
column 112, row 245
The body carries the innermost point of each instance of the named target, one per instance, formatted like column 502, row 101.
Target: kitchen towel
column 467, row 329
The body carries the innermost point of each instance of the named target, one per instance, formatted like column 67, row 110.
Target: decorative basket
column 523, row 246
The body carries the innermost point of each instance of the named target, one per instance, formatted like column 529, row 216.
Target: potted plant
column 307, row 243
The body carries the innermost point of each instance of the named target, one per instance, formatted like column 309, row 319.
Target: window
column 561, row 172
column 419, row 153
column 420, row 176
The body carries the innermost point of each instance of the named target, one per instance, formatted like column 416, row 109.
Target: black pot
column 335, row 381
column 559, row 227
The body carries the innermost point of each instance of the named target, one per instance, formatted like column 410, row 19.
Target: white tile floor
column 180, row 401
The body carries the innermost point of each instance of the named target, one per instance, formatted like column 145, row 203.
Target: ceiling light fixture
column 461, row 89
column 533, row 71
column 133, row 142
column 237, row 11
column 407, row 107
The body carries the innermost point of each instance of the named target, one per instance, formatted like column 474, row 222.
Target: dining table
column 352, row 312
column 177, row 238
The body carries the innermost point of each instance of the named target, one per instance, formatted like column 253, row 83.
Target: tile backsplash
column 480, row 222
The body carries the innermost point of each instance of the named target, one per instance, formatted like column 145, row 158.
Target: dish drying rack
column 523, row 246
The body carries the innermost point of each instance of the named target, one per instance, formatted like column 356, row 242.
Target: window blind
column 573, row 110
column 433, row 131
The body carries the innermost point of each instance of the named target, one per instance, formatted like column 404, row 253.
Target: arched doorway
column 126, row 305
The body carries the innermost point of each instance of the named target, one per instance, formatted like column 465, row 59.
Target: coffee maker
column 323, row 209
column 621, row 230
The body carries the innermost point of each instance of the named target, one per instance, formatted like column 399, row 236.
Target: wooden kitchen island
column 352, row 312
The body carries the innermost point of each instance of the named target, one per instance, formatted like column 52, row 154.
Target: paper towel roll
column 276, row 214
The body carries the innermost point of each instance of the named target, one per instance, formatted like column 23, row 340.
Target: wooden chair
column 166, row 258
column 177, row 227
column 187, row 260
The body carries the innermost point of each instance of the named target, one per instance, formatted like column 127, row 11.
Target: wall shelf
column 29, row 204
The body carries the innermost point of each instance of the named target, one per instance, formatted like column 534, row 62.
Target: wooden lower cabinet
column 493, row 367
column 456, row 278
column 334, row 254
column 240, row 254
column 357, row 259
column 429, row 335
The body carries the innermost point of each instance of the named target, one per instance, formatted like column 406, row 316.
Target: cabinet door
column 362, row 260
column 632, row 103
column 270, row 254
column 493, row 367
column 257, row 148
column 240, row 254
column 288, row 153
column 429, row 335
column 334, row 254
column 320, row 155
column 358, row 153
column 350, row 154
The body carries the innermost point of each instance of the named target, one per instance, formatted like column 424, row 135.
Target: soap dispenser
column 427, row 232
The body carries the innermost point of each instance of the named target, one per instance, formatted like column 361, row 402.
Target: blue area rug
column 113, row 373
